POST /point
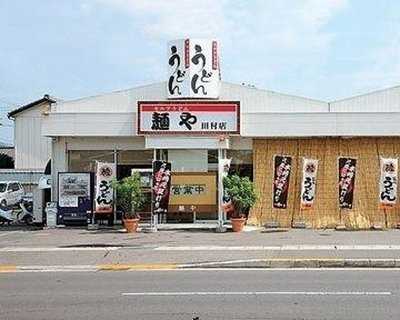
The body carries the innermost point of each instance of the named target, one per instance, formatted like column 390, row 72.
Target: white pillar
column 221, row 219
column 59, row 163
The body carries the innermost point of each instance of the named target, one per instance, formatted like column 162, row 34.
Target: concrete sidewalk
column 255, row 249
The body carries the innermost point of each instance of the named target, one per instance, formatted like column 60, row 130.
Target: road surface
column 206, row 294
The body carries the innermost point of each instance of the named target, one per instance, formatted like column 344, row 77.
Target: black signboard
column 283, row 167
column 161, row 186
column 347, row 176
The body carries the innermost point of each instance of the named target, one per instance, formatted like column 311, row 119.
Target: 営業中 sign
column 179, row 117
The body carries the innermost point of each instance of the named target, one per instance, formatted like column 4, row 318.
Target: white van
column 11, row 193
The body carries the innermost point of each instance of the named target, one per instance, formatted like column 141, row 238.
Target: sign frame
column 139, row 130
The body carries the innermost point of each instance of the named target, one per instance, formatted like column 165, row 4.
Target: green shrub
column 130, row 197
column 241, row 192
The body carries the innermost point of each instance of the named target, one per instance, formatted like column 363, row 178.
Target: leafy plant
column 241, row 192
column 130, row 197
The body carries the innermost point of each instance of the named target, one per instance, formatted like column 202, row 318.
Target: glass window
column 138, row 158
column 85, row 161
column 242, row 162
column 3, row 187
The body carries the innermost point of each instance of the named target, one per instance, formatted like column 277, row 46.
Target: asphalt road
column 207, row 294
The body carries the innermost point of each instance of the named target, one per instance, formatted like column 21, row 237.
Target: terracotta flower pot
column 238, row 224
column 131, row 225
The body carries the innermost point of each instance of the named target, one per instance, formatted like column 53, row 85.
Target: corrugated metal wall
column 387, row 100
column 32, row 150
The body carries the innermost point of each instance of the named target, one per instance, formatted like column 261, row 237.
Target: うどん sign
column 194, row 117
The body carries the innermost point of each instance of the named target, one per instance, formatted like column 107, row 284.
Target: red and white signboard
column 182, row 117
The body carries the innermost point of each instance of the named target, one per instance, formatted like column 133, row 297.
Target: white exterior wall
column 59, row 163
column 263, row 114
column 105, row 143
column 32, row 150
column 387, row 100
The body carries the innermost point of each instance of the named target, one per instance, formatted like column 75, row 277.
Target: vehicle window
column 3, row 187
column 9, row 188
column 14, row 186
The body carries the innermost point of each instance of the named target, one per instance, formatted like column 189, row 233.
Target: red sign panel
column 193, row 117
column 187, row 54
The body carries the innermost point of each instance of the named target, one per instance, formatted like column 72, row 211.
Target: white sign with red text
column 106, row 172
column 180, row 117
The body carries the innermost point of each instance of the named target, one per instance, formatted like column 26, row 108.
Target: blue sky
column 324, row 49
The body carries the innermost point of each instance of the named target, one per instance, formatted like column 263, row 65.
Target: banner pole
column 114, row 192
column 220, row 191
column 154, row 218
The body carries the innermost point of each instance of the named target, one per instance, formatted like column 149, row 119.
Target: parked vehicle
column 23, row 214
column 11, row 193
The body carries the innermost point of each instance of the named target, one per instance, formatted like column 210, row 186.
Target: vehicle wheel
column 3, row 204
column 28, row 220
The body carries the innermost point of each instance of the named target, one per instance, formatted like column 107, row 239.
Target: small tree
column 241, row 192
column 130, row 197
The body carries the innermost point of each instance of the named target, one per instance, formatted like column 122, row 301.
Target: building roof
column 46, row 98
column 4, row 145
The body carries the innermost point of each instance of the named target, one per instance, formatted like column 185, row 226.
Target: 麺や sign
column 180, row 117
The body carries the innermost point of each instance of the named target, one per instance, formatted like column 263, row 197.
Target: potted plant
column 130, row 198
column 242, row 196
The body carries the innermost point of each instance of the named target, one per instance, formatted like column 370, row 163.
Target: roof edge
column 46, row 98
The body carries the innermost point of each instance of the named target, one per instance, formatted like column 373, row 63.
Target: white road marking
column 70, row 268
column 52, row 249
column 262, row 293
column 278, row 248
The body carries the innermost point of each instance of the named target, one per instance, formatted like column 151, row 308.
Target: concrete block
column 299, row 225
column 272, row 224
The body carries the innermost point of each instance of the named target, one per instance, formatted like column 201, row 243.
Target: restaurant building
column 315, row 164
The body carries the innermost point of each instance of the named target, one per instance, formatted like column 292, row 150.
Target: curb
column 233, row 264
column 297, row 263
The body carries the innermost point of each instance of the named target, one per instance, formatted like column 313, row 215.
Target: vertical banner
column 105, row 173
column 308, row 183
column 161, row 186
column 283, row 167
column 223, row 170
column 347, row 176
column 388, row 183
